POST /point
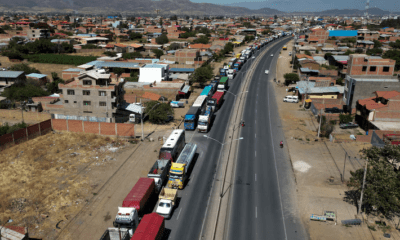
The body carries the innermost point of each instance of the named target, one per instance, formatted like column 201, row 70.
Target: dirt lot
column 318, row 167
column 46, row 180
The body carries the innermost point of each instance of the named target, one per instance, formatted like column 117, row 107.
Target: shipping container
column 140, row 194
column 150, row 228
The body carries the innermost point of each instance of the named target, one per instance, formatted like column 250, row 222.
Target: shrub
column 60, row 59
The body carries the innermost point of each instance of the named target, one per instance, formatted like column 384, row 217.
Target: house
column 8, row 78
column 310, row 89
column 154, row 73
column 34, row 34
column 41, row 78
column 362, row 64
column 382, row 111
column 90, row 97
column 14, row 233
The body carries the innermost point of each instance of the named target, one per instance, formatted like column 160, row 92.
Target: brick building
column 153, row 29
column 366, row 35
column 318, row 36
column 361, row 64
column 91, row 95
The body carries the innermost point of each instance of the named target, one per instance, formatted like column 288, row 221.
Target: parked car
column 266, row 71
column 290, row 53
column 333, row 110
column 272, row 55
column 348, row 125
column 291, row 99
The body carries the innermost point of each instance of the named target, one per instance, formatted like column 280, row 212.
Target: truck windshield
column 175, row 176
column 162, row 204
column 210, row 102
column 202, row 123
column 165, row 154
column 189, row 121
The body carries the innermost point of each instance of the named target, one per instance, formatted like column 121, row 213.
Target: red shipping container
column 139, row 194
column 150, row 228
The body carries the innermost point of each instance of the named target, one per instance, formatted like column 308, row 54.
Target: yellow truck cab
column 179, row 172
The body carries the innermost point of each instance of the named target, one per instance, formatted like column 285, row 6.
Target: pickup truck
column 159, row 172
column 166, row 202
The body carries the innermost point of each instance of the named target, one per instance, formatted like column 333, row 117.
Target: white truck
column 231, row 73
column 127, row 217
column 205, row 119
column 166, row 202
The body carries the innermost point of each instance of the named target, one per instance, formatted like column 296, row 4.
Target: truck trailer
column 150, row 228
column 179, row 172
column 159, row 172
column 216, row 100
column 205, row 119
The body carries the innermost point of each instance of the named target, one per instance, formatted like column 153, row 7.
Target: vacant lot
column 44, row 180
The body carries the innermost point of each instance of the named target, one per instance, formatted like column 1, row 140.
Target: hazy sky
column 312, row 5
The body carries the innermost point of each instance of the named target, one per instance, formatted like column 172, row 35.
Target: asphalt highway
column 188, row 216
column 264, row 186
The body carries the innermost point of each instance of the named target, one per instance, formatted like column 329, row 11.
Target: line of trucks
column 135, row 219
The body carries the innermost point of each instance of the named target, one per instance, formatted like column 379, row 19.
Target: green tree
column 306, row 52
column 20, row 92
column 132, row 55
column 377, row 44
column 345, row 118
column 173, row 18
column 52, row 87
column 158, row 52
column 174, row 46
column 228, row 48
column 118, row 71
column 24, row 67
column 382, row 181
column 110, row 54
column 395, row 55
column 158, row 112
column 395, row 45
column 327, row 55
column 202, row 39
column 374, row 51
column 202, row 74
column 134, row 36
column 163, row 39
column 4, row 129
column 339, row 81
column 291, row 78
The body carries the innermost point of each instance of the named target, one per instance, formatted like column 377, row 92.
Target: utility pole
column 363, row 186
column 320, row 121
column 344, row 167
column 308, row 81
column 141, row 116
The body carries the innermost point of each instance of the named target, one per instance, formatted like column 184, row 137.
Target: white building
column 154, row 73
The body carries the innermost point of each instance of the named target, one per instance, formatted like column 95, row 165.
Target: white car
column 291, row 99
column 266, row 71
column 272, row 55
column 253, row 57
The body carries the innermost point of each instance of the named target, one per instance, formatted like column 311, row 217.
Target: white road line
column 255, row 135
column 179, row 214
column 255, row 153
column 255, row 177
column 256, row 212
column 276, row 168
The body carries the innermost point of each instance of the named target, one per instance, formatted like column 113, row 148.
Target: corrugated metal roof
column 100, row 64
column 136, row 108
column 36, row 75
column 10, row 74
column 318, row 58
column 365, row 42
column 72, row 70
column 342, row 33
column 181, row 69
column 341, row 57
column 153, row 66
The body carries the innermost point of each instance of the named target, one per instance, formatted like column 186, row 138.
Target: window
column 66, row 101
column 386, row 69
column 87, row 111
column 87, row 82
column 103, row 104
column 102, row 93
column 86, row 103
column 372, row 69
column 364, row 69
column 86, row 92
column 74, row 101
column 71, row 92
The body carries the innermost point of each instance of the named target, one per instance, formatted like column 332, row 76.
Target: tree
column 173, row 18
column 291, row 78
column 174, row 46
column 118, row 71
column 345, row 118
column 306, row 52
column 202, row 39
column 134, row 35
column 53, row 86
column 228, row 48
column 20, row 92
column 110, row 54
column 163, row 39
column 158, row 52
column 24, row 67
column 339, row 81
column 395, row 44
column 377, row 44
column 158, row 112
column 202, row 74
column 382, row 181
column 327, row 55
column 374, row 51
column 395, row 55
column 132, row 55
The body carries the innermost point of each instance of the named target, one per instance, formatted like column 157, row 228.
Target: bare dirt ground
column 318, row 166
column 46, row 180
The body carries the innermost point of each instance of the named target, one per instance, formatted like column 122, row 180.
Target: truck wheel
column 115, row 225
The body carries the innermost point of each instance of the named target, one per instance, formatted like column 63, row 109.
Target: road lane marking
column 255, row 153
column 256, row 212
column 276, row 168
column 179, row 214
column 255, row 177
column 255, row 135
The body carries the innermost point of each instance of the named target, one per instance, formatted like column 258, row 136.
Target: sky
column 310, row 5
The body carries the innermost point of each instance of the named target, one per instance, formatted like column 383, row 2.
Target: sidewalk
column 318, row 167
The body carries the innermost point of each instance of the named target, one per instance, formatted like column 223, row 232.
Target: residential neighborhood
column 156, row 126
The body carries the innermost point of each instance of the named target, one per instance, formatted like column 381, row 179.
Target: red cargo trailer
column 140, row 194
column 150, row 228
column 216, row 100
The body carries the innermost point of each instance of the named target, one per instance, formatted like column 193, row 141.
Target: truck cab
column 127, row 217
column 231, row 73
column 205, row 119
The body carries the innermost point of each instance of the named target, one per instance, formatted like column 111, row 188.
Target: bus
column 173, row 146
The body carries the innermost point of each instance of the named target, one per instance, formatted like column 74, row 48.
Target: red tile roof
column 17, row 229
column 387, row 94
column 199, row 45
